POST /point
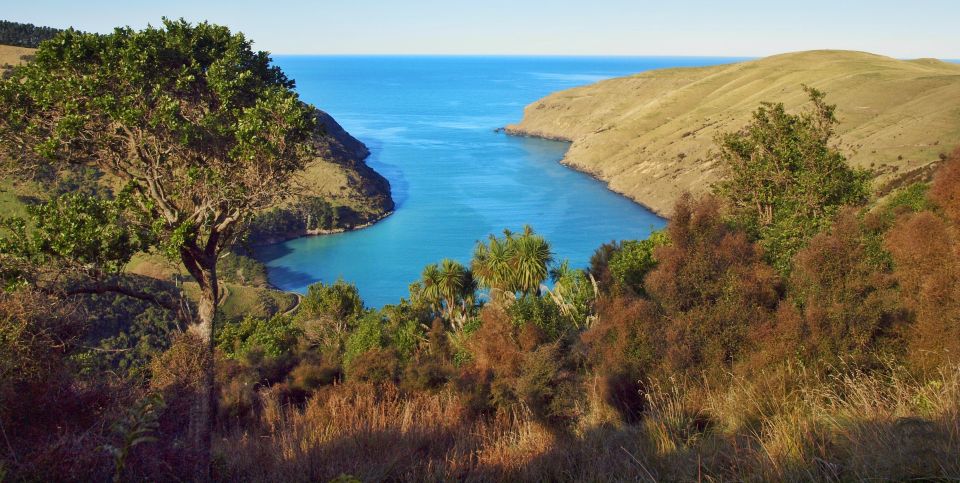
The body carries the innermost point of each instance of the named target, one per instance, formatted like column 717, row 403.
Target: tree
column 448, row 286
column 784, row 180
column 202, row 130
column 514, row 263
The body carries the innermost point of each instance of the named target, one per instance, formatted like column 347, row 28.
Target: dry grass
column 650, row 135
column 13, row 56
column 789, row 427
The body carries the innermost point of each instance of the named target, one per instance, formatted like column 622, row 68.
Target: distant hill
column 650, row 135
column 25, row 34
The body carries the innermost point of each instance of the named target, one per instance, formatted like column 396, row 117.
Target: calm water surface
column 429, row 123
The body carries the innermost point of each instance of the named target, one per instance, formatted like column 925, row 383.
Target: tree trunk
column 204, row 411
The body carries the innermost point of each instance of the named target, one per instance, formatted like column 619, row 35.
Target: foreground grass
column 791, row 427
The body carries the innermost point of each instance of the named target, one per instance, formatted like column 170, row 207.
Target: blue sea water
column 430, row 125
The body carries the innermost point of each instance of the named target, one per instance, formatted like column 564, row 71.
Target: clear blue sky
column 903, row 28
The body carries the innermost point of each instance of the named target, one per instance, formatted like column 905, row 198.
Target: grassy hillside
column 650, row 135
column 10, row 55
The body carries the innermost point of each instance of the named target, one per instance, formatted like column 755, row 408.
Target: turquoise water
column 429, row 123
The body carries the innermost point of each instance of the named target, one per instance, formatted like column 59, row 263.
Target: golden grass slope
column 12, row 56
column 650, row 135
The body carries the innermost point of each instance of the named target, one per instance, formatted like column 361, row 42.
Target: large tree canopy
column 203, row 129
column 199, row 130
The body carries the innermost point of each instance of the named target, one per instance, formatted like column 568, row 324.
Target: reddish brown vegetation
column 926, row 251
column 844, row 301
column 712, row 287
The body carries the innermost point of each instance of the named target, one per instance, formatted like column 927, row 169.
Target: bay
column 430, row 125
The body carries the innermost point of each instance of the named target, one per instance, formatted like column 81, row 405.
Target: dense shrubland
column 782, row 328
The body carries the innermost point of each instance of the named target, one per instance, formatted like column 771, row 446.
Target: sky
column 750, row 28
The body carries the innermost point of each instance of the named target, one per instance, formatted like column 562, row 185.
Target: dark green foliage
column 784, row 181
column 25, row 34
column 138, row 426
column 338, row 301
column 600, row 265
column 370, row 333
column 126, row 334
column 405, row 325
column 92, row 234
column 242, row 270
column 306, row 215
column 542, row 313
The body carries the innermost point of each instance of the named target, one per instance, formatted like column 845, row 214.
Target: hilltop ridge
column 650, row 135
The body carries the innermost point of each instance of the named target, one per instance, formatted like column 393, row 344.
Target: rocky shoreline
column 514, row 130
column 337, row 192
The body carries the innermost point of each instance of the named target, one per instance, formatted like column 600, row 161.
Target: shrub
column 633, row 260
column 622, row 348
column 712, row 287
column 339, row 301
column 925, row 253
column 945, row 190
column 242, row 270
column 275, row 337
column 846, row 298
column 375, row 365
column 784, row 180
column 370, row 334
column 541, row 313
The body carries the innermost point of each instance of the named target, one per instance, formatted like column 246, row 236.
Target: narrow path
column 296, row 305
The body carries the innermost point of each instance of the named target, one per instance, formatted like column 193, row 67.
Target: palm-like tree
column 491, row 264
column 531, row 257
column 514, row 263
column 448, row 286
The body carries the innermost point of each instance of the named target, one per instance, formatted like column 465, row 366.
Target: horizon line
column 622, row 56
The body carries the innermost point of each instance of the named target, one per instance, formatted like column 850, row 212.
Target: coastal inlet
column 429, row 123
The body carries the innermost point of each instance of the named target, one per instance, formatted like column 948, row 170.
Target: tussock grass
column 788, row 426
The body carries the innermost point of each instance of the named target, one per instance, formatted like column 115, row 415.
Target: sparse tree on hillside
column 201, row 129
column 783, row 178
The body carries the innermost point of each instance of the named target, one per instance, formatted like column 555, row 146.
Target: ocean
column 430, row 123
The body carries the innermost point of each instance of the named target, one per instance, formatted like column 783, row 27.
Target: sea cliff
column 336, row 192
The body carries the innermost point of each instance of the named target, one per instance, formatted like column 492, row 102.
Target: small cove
column 430, row 125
